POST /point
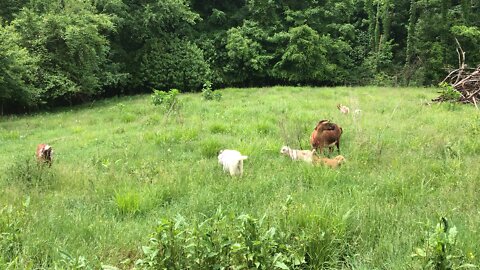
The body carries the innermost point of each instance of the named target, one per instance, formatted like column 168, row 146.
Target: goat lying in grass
column 330, row 162
column 44, row 154
column 232, row 161
column 326, row 134
column 305, row 155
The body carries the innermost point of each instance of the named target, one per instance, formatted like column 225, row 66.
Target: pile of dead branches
column 465, row 81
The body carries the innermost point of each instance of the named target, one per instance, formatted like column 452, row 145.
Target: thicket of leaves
column 67, row 51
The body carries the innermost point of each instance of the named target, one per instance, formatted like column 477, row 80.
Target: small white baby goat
column 232, row 161
column 343, row 109
column 305, row 155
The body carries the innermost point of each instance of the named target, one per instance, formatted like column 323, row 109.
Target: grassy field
column 122, row 165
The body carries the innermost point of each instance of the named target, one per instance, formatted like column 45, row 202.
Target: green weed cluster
column 222, row 242
column 441, row 251
column 168, row 100
column 448, row 93
column 28, row 173
column 209, row 94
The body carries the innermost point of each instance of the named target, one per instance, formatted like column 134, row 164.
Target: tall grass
column 123, row 165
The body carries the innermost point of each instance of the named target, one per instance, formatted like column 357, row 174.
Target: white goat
column 305, row 155
column 232, row 161
column 343, row 109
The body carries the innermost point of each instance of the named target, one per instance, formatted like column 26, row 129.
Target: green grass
column 121, row 165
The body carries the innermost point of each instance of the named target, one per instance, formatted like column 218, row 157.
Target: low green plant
column 210, row 147
column 209, row 94
column 448, row 93
column 221, row 242
column 440, row 251
column 168, row 100
column 70, row 262
column 128, row 203
column 28, row 172
column 12, row 223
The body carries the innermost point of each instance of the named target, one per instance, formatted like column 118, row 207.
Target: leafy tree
column 70, row 42
column 174, row 63
column 17, row 69
column 247, row 57
column 8, row 8
column 304, row 58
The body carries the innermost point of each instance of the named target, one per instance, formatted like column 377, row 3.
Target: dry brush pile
column 462, row 84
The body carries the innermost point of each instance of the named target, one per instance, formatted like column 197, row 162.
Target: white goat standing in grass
column 305, row 155
column 343, row 109
column 232, row 161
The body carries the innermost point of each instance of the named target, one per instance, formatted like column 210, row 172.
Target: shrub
column 174, row 63
column 208, row 94
column 163, row 98
column 167, row 100
column 221, row 242
column 448, row 93
column 440, row 249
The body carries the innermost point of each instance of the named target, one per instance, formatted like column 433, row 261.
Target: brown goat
column 44, row 154
column 326, row 134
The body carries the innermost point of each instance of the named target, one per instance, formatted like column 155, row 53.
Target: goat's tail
column 243, row 157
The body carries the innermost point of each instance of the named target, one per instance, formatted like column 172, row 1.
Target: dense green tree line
column 69, row 51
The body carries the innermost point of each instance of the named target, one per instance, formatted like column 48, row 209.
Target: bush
column 221, row 242
column 168, row 100
column 208, row 94
column 448, row 93
column 174, row 63
column 440, row 249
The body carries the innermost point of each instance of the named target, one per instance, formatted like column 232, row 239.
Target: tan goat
column 330, row 162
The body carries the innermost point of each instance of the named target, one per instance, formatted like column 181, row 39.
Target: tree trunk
column 386, row 20
column 377, row 28
column 446, row 29
column 371, row 21
column 410, row 40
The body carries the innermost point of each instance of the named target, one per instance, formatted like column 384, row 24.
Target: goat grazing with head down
column 330, row 162
column 326, row 134
column 44, row 154
column 231, row 161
